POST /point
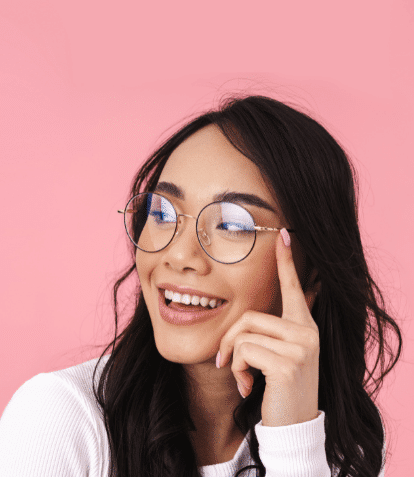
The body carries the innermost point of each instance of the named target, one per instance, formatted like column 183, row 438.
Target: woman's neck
column 213, row 397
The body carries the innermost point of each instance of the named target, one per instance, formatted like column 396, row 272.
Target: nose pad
column 204, row 237
column 180, row 225
column 179, row 230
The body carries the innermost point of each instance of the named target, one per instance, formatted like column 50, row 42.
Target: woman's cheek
column 259, row 289
column 266, row 286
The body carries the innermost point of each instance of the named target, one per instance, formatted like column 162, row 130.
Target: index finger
column 296, row 306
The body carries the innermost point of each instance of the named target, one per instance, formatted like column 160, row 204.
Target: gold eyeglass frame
column 255, row 227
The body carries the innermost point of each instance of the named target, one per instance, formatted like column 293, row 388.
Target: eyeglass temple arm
column 268, row 229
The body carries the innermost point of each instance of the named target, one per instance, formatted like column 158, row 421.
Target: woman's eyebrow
column 249, row 199
column 171, row 189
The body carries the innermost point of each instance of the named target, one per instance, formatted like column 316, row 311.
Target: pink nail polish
column 218, row 360
column 285, row 237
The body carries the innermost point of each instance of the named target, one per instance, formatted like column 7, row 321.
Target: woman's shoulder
column 77, row 379
column 73, row 383
column 53, row 420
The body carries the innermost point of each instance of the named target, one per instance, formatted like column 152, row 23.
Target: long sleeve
column 53, row 427
column 294, row 451
column 297, row 450
column 47, row 430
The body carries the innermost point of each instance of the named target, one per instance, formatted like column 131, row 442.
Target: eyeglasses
column 226, row 231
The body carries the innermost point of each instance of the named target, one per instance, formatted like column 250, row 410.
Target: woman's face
column 202, row 166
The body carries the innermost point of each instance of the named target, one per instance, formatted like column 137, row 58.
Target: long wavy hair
column 144, row 398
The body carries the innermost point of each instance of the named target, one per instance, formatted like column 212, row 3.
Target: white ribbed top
column 53, row 427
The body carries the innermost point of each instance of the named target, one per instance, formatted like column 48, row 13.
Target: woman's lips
column 178, row 315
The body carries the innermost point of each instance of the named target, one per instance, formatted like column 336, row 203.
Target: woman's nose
column 184, row 251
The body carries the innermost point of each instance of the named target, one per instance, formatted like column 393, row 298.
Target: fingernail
column 240, row 391
column 285, row 237
column 218, row 360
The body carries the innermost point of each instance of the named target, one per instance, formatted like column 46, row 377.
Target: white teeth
column 176, row 298
column 186, row 299
column 195, row 300
column 204, row 301
column 168, row 294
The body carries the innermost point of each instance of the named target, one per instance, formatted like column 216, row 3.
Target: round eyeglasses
column 226, row 231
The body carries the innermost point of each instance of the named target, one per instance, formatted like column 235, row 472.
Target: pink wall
column 86, row 92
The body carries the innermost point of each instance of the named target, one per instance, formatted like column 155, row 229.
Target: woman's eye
column 161, row 216
column 234, row 227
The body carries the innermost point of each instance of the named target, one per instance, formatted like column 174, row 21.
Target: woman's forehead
column 206, row 163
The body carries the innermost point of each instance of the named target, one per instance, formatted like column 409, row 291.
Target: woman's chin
column 193, row 355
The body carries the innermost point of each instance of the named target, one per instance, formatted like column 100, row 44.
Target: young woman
column 246, row 354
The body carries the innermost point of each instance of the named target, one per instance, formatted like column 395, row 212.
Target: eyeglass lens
column 225, row 230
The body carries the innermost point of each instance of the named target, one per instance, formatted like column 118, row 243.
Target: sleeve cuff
column 297, row 450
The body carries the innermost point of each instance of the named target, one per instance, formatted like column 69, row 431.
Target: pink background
column 87, row 90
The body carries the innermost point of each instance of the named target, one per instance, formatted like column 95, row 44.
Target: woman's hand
column 285, row 349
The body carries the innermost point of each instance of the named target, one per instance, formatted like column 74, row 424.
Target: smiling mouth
column 183, row 307
column 182, row 314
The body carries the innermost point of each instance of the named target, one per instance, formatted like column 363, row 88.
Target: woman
column 246, row 351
